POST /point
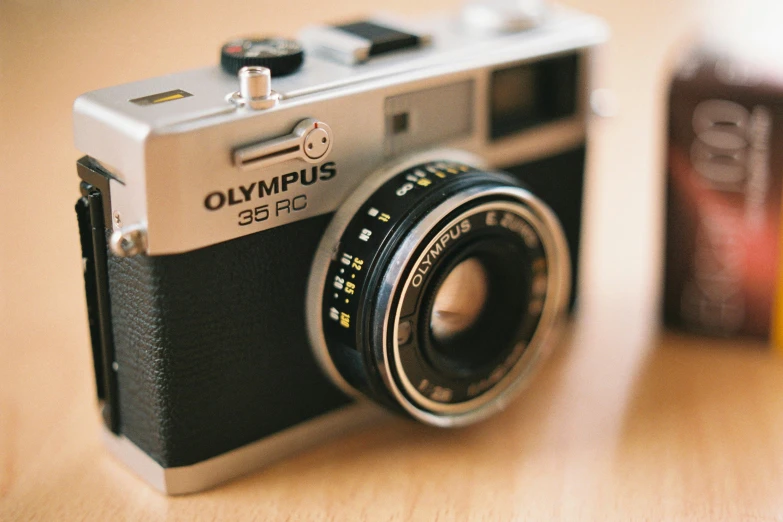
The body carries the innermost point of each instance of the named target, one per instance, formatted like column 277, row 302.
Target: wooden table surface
column 623, row 423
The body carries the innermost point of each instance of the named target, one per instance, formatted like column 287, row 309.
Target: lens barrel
column 383, row 263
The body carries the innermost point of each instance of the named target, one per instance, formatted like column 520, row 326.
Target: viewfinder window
column 531, row 94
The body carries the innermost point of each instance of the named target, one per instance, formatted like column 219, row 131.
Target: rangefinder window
column 530, row 94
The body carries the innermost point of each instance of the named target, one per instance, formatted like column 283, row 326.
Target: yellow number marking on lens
column 345, row 320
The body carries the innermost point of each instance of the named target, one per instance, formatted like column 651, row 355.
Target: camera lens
column 436, row 289
column 474, row 311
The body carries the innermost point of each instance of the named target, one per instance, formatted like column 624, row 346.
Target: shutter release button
column 255, row 89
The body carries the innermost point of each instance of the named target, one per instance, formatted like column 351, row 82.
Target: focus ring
column 520, row 268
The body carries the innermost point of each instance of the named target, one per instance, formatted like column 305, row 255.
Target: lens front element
column 463, row 372
column 459, row 301
column 442, row 291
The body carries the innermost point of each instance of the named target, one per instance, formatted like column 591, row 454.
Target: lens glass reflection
column 459, row 301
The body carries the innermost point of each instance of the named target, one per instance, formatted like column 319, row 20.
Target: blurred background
column 52, row 51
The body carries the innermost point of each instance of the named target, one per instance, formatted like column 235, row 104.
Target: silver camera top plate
column 170, row 143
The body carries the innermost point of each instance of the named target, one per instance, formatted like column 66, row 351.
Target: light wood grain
column 623, row 423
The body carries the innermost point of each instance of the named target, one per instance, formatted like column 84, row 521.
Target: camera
column 384, row 212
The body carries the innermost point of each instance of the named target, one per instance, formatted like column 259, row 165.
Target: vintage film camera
column 386, row 210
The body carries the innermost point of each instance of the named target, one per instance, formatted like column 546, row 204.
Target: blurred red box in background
column 725, row 179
